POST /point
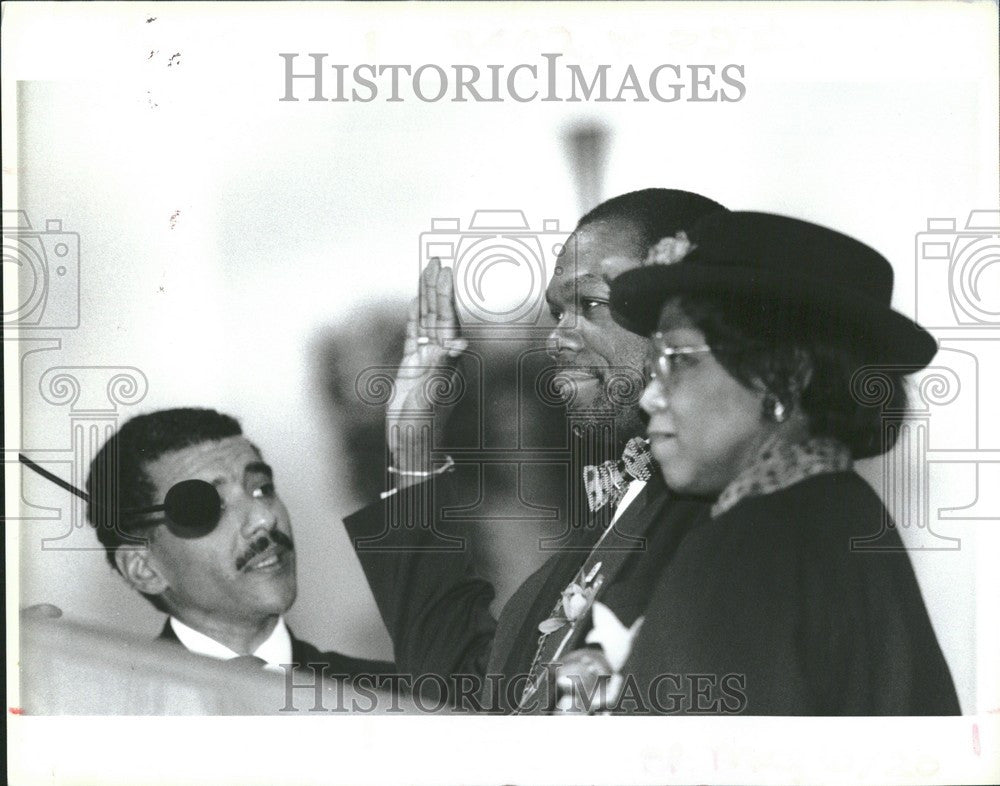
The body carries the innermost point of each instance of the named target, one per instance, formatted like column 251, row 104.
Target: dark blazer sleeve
column 421, row 572
column 769, row 610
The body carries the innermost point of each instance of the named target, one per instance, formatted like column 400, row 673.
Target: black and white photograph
column 421, row 370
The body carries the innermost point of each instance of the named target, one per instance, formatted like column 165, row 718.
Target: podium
column 68, row 668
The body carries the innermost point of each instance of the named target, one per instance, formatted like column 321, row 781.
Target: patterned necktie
column 607, row 483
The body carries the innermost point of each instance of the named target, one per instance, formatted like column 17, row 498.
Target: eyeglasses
column 664, row 359
column 193, row 507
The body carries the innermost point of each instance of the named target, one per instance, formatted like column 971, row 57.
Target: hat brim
column 885, row 336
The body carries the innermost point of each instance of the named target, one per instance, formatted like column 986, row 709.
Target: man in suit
column 573, row 619
column 222, row 565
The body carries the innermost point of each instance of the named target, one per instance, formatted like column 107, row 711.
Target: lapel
column 604, row 563
column 539, row 597
column 167, row 634
column 622, row 541
column 303, row 652
column 677, row 515
column 627, row 536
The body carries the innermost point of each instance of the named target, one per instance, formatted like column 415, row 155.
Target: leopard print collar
column 781, row 466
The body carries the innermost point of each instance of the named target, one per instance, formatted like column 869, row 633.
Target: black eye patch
column 192, row 507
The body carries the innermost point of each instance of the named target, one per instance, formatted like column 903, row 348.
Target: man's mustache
column 263, row 543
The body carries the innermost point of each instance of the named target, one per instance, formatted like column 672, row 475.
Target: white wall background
column 291, row 216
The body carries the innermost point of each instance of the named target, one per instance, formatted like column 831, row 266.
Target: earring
column 774, row 409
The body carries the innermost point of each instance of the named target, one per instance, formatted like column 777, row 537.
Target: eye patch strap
column 193, row 504
column 54, row 478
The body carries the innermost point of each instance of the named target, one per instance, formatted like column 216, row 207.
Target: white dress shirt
column 275, row 650
column 635, row 487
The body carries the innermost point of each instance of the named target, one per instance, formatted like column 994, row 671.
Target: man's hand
column 585, row 683
column 432, row 344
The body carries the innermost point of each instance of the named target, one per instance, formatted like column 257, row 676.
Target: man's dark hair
column 118, row 479
column 779, row 344
column 656, row 212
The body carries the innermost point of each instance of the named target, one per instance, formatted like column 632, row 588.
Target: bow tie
column 606, row 483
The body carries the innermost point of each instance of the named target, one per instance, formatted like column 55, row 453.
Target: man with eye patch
column 226, row 576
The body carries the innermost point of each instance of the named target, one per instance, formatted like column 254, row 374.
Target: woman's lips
column 576, row 373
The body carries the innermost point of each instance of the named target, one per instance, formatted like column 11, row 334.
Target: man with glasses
column 220, row 560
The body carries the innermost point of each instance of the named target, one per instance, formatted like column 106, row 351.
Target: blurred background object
column 588, row 146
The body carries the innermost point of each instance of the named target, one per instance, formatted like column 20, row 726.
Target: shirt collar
column 781, row 466
column 634, row 490
column 276, row 649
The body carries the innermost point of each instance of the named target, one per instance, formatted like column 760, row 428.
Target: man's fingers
column 447, row 318
column 434, row 273
column 455, row 346
column 432, row 317
column 428, row 297
column 412, row 317
column 422, row 294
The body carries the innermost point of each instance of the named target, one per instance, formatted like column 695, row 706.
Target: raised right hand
column 433, row 342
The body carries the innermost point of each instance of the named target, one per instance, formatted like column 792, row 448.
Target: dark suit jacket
column 765, row 610
column 305, row 655
column 436, row 606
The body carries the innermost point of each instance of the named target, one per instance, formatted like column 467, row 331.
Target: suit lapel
column 604, row 563
column 628, row 535
column 557, row 573
column 168, row 634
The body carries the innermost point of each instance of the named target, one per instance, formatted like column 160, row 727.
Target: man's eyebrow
column 258, row 466
column 584, row 280
column 254, row 466
column 591, row 279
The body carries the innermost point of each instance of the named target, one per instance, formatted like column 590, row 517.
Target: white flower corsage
column 576, row 601
column 670, row 250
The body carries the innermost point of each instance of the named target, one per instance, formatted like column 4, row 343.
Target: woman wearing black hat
column 761, row 327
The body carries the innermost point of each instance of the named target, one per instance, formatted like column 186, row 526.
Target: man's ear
column 136, row 567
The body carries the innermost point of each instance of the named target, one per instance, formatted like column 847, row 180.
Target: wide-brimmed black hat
column 835, row 285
